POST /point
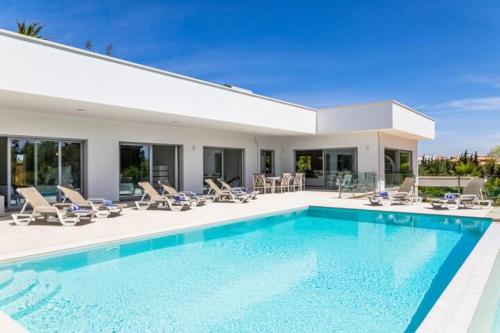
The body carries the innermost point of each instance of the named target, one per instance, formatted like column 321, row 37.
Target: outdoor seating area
column 275, row 184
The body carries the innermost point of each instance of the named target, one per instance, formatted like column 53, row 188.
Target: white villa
column 69, row 116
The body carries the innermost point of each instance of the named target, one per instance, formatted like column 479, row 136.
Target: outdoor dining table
column 273, row 180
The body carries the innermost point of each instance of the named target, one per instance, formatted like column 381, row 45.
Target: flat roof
column 103, row 57
column 235, row 90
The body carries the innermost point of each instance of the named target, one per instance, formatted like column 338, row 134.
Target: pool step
column 6, row 277
column 47, row 287
column 21, row 285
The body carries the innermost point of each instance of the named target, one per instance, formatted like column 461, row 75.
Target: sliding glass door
column 135, row 166
column 71, row 164
column 47, row 168
column 43, row 164
column 4, row 167
column 267, row 162
column 148, row 162
column 339, row 161
column 322, row 166
column 310, row 162
column 398, row 166
column 226, row 163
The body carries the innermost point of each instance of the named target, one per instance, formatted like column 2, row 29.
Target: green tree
column 465, row 169
column 32, row 30
column 495, row 152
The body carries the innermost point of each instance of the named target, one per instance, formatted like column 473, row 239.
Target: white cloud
column 490, row 80
column 490, row 104
column 475, row 104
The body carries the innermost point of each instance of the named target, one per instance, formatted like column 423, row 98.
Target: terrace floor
column 37, row 239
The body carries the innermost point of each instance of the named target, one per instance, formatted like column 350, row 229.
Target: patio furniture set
column 286, row 183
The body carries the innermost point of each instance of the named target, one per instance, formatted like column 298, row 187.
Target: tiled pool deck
column 452, row 313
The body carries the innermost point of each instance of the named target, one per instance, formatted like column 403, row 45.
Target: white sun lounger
column 217, row 194
column 404, row 194
column 156, row 199
column 471, row 197
column 198, row 200
column 238, row 190
column 42, row 209
column 96, row 204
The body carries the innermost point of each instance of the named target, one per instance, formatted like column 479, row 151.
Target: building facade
column 69, row 116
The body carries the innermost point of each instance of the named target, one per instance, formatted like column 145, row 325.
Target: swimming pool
column 315, row 270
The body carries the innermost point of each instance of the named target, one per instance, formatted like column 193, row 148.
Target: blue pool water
column 313, row 270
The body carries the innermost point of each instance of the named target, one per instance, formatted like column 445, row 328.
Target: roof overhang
column 388, row 116
column 43, row 76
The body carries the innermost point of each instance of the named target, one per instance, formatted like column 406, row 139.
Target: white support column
column 381, row 164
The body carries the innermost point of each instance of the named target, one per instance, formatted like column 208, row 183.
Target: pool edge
column 454, row 310
column 65, row 248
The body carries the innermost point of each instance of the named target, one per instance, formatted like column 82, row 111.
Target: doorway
column 148, row 162
column 41, row 163
column 226, row 163
column 397, row 166
column 267, row 162
column 321, row 166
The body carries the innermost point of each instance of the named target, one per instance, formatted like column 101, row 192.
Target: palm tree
column 32, row 30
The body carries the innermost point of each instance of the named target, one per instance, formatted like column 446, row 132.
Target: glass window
column 267, row 162
column 47, row 165
column 390, row 160
column 342, row 160
column 405, row 162
column 22, row 165
column 71, row 164
column 38, row 163
column 212, row 162
column 233, row 166
column 310, row 162
column 134, row 167
column 166, row 161
column 398, row 166
column 224, row 163
column 4, row 169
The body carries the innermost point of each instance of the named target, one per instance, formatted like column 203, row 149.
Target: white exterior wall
column 412, row 122
column 361, row 117
column 102, row 139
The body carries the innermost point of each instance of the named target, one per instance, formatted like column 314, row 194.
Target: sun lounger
column 217, row 194
column 238, row 190
column 157, row 200
column 471, row 197
column 102, row 207
column 404, row 194
column 198, row 200
column 64, row 214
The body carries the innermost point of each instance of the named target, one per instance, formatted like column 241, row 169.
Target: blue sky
column 440, row 57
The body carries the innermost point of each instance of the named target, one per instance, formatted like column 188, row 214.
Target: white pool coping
column 452, row 312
